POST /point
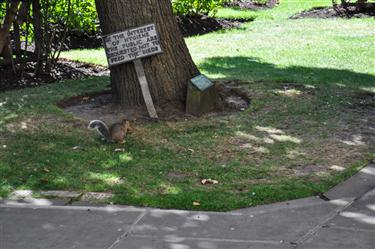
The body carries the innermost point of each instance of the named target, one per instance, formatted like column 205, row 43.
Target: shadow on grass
column 251, row 69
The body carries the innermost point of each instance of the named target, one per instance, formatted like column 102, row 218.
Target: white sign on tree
column 132, row 45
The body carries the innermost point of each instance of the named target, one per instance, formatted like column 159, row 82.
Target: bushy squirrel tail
column 101, row 128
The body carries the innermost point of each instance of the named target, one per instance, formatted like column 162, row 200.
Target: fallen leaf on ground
column 209, row 181
column 337, row 168
column 195, row 203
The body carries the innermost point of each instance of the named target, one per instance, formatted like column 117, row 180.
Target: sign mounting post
column 133, row 45
column 145, row 89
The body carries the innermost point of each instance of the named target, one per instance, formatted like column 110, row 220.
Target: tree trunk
column 38, row 35
column 167, row 73
column 17, row 39
column 5, row 49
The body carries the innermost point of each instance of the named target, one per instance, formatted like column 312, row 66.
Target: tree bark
column 5, row 49
column 167, row 73
column 17, row 39
column 38, row 35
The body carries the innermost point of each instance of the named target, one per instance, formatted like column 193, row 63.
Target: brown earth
column 199, row 25
column 329, row 12
column 63, row 70
column 99, row 105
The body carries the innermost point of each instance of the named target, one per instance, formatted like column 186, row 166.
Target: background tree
column 11, row 12
column 167, row 73
column 34, row 21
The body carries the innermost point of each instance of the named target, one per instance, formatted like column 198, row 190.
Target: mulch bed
column 199, row 25
column 252, row 4
column 329, row 12
column 64, row 69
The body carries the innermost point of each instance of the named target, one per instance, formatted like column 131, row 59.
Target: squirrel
column 116, row 133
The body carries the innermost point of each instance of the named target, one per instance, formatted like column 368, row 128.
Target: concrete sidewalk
column 347, row 220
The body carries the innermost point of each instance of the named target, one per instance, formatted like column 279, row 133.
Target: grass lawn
column 310, row 124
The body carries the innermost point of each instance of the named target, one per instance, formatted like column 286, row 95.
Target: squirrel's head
column 125, row 122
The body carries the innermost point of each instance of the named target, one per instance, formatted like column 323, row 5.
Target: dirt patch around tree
column 100, row 105
column 351, row 11
column 362, row 130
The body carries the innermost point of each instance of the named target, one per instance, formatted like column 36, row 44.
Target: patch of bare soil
column 364, row 101
column 353, row 137
column 63, row 70
column 361, row 116
column 100, row 106
column 351, row 11
column 252, row 4
column 351, row 140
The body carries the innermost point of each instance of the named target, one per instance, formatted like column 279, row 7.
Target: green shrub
column 196, row 7
column 83, row 17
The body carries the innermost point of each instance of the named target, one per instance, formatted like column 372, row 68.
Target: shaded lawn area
column 310, row 124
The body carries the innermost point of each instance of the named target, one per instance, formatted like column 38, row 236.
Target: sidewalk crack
column 127, row 233
column 312, row 232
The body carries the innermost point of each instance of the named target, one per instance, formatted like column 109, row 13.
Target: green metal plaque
column 202, row 82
